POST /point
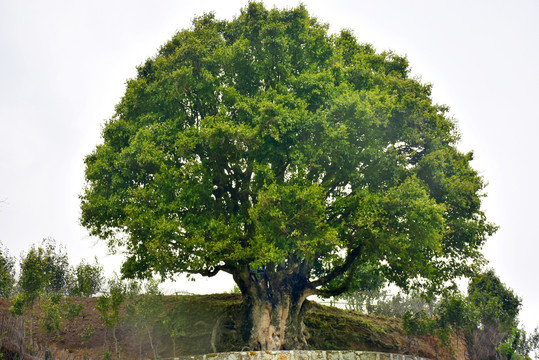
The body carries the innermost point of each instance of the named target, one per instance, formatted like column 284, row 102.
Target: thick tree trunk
column 273, row 312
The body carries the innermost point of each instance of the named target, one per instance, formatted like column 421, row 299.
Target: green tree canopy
column 289, row 157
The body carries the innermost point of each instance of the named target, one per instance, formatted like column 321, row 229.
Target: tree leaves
column 264, row 141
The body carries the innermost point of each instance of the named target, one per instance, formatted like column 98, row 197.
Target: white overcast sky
column 64, row 64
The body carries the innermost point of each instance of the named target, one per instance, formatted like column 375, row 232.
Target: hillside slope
column 207, row 324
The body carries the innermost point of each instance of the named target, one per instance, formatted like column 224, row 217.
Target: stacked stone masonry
column 302, row 355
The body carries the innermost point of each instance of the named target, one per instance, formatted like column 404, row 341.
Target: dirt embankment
column 198, row 324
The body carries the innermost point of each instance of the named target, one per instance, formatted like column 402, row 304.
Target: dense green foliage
column 487, row 317
column 518, row 345
column 265, row 142
column 7, row 273
column 495, row 302
column 45, row 277
column 86, row 279
column 496, row 334
column 44, row 268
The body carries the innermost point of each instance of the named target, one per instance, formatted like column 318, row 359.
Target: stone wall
column 302, row 355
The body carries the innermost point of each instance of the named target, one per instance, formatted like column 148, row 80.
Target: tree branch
column 338, row 290
column 339, row 270
column 211, row 271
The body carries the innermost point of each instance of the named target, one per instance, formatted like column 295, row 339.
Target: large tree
column 300, row 162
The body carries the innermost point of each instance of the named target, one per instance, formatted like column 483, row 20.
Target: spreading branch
column 338, row 270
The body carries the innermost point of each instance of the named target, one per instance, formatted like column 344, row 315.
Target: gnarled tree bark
column 274, row 308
